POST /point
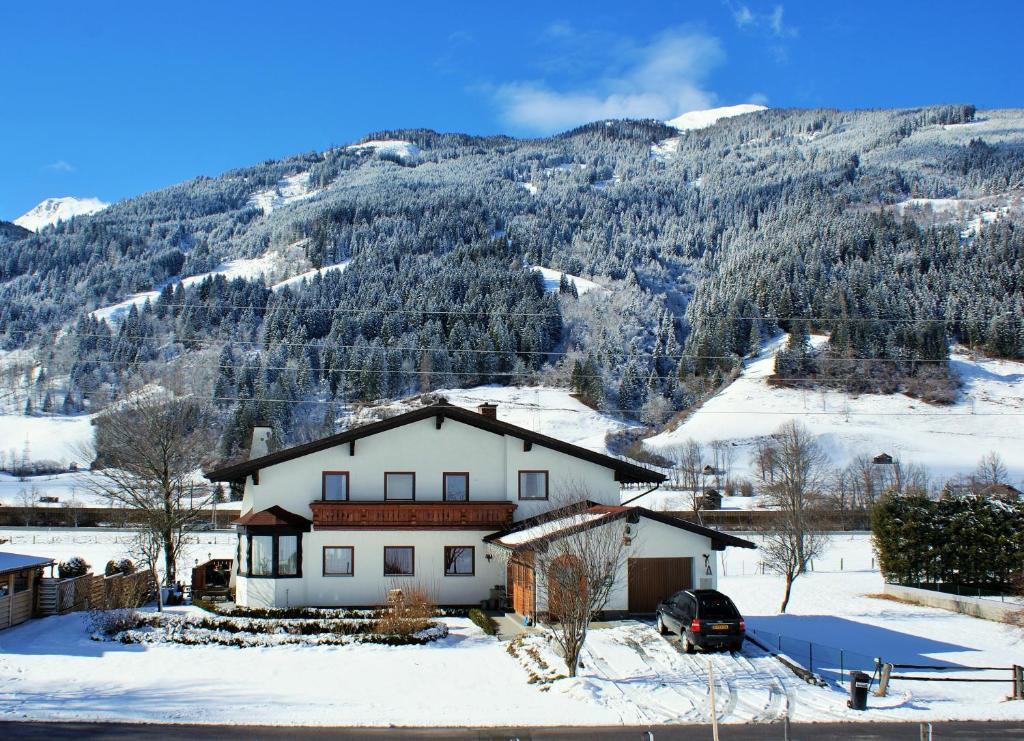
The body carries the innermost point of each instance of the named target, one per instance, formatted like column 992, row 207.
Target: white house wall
column 493, row 462
column 368, row 586
column 652, row 539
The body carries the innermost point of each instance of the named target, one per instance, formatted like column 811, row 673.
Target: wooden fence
column 95, row 592
column 754, row 519
column 60, row 516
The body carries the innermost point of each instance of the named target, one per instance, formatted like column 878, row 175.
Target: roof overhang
column 625, row 472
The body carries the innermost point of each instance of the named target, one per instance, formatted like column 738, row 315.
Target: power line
column 325, row 344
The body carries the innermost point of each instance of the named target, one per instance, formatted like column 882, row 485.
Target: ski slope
column 552, row 278
column 693, row 120
column 947, row 440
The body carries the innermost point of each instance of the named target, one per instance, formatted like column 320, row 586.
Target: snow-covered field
column 44, row 438
column 552, row 278
column 49, row 669
column 988, row 416
column 404, row 150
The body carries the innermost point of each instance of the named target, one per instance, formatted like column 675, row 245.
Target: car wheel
column 661, row 626
column 688, row 646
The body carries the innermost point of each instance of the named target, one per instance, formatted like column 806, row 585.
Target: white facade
column 492, row 460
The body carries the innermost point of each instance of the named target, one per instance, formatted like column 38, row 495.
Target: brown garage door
column 653, row 579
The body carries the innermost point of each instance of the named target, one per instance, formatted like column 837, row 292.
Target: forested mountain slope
column 701, row 241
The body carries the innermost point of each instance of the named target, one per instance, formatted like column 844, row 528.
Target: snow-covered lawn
column 50, row 669
column 946, row 440
column 42, row 438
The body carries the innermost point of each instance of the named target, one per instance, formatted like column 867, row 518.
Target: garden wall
column 1003, row 612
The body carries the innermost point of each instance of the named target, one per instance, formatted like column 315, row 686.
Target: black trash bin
column 859, row 684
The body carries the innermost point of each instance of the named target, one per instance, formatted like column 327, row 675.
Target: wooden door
column 565, row 578
column 520, row 583
column 652, row 580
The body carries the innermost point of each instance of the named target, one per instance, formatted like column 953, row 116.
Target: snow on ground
column 70, row 489
column 947, row 440
column 553, row 277
column 973, row 213
column 44, row 438
column 50, row 670
column 53, row 210
column 404, row 150
column 295, row 280
column 549, row 411
column 97, row 545
column 828, row 607
column 288, row 190
column 703, row 119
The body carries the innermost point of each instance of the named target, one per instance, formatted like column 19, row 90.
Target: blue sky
column 110, row 99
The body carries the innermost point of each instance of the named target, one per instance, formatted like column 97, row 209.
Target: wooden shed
column 19, row 579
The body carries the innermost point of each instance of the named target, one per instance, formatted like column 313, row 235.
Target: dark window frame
column 472, row 560
column 384, row 567
column 444, row 485
column 323, row 485
column 351, row 560
column 400, row 473
column 276, row 532
column 547, row 483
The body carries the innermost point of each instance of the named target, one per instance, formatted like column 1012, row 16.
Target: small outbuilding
column 19, row 580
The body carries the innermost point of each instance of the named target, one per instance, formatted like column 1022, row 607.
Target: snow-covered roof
column 550, row 527
column 18, row 561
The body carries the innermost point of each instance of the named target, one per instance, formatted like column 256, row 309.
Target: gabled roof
column 274, row 517
column 624, row 472
column 534, row 532
column 17, row 561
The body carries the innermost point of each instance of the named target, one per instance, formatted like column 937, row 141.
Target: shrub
column 74, row 566
column 485, row 621
column 121, row 566
column 746, row 488
column 409, row 611
column 109, row 622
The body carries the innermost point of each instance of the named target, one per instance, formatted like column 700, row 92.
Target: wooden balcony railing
column 412, row 515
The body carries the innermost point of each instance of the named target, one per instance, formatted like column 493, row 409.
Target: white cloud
column 660, row 79
column 770, row 24
column 61, row 166
column 742, row 16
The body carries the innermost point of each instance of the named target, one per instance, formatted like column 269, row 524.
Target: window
column 339, row 560
column 398, row 560
column 266, row 553
column 287, row 555
column 335, row 486
column 533, row 484
column 400, row 485
column 455, row 487
column 459, row 560
column 243, row 554
column 262, row 555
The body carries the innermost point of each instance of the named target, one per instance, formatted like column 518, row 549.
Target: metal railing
column 830, row 663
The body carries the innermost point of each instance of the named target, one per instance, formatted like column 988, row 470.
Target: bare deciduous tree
column 149, row 451
column 796, row 493
column 687, row 464
column 991, row 470
column 577, row 558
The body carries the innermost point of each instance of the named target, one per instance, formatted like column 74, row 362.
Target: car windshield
column 717, row 608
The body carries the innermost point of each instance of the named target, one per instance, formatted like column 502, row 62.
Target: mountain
column 10, row 231
column 629, row 262
column 702, row 119
column 53, row 210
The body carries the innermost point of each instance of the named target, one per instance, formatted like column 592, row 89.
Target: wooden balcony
column 377, row 515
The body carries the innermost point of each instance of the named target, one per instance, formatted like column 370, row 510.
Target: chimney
column 488, row 410
column 261, row 436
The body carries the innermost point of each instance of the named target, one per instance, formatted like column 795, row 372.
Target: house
column 19, row 581
column 430, row 498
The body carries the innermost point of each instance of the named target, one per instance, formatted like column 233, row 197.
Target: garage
column 653, row 579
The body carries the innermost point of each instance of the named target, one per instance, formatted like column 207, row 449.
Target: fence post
column 810, row 657
column 883, row 680
column 1018, row 682
column 841, row 666
column 926, row 732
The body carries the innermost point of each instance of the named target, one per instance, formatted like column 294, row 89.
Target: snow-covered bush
column 120, row 566
column 106, row 623
column 74, row 566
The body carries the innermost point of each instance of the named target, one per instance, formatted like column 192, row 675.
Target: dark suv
column 704, row 619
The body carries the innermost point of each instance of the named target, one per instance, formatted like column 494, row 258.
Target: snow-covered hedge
column 197, row 630
column 291, row 613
